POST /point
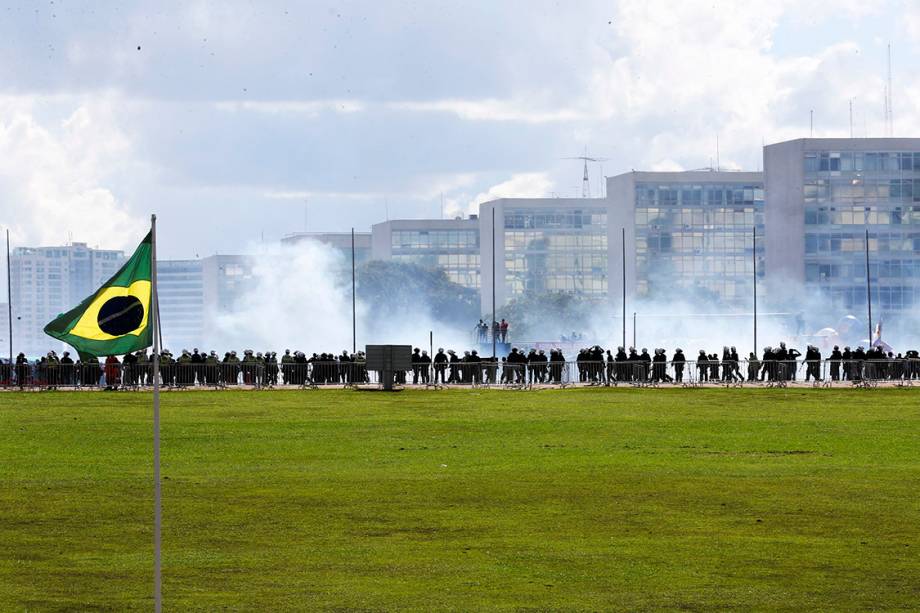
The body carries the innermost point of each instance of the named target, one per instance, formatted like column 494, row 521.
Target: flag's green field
column 465, row 500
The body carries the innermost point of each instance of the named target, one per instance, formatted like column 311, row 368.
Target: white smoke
column 301, row 300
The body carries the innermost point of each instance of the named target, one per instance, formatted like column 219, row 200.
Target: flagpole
column 157, row 511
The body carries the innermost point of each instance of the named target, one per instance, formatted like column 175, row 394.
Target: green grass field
column 465, row 500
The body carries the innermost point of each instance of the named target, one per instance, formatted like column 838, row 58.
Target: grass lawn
column 587, row 499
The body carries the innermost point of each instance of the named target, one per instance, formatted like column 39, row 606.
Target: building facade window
column 698, row 240
column 456, row 252
column 561, row 250
column 847, row 193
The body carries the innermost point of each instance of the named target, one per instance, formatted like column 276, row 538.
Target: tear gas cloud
column 301, row 299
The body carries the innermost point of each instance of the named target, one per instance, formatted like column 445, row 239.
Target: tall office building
column 691, row 235
column 822, row 196
column 227, row 278
column 47, row 281
column 548, row 245
column 451, row 245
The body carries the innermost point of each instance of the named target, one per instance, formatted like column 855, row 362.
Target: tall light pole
column 354, row 317
column 868, row 288
column 754, row 257
column 492, row 326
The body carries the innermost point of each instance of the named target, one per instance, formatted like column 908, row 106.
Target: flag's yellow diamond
column 115, row 312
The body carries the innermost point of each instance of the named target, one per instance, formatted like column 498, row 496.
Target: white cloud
column 676, row 75
column 667, row 165
column 492, row 110
column 520, row 185
column 312, row 108
column 421, row 187
column 909, row 11
column 55, row 175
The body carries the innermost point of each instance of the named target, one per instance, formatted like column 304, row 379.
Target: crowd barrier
column 486, row 373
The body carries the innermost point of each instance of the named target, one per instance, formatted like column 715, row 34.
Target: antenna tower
column 585, row 186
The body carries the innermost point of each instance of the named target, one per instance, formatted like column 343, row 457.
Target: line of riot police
column 592, row 365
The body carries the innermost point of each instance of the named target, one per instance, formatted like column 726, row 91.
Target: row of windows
column 886, row 298
column 727, row 290
column 843, row 242
column 461, row 268
column 697, row 266
column 833, row 161
column 165, row 294
column 537, row 240
column 699, row 217
column 589, row 263
column 697, row 195
column 518, row 284
column 856, row 270
column 433, row 239
column 442, row 260
column 861, row 215
column 539, row 218
column 849, row 190
column 696, row 241
column 183, row 282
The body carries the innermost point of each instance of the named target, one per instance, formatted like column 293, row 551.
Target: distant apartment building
column 47, row 281
column 180, row 286
column 451, row 245
column 822, row 197
column 691, row 234
column 194, row 293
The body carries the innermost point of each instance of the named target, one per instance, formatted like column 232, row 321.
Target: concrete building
column 451, row 245
column 823, row 194
column 180, row 284
column 550, row 245
column 690, row 235
column 47, row 281
column 687, row 234
column 227, row 278
column 341, row 241
column 194, row 293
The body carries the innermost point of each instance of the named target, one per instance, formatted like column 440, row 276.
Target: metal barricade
column 543, row 372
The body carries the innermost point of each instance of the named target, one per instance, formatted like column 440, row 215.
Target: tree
column 400, row 289
column 547, row 316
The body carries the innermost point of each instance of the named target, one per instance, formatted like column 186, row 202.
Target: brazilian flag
column 116, row 319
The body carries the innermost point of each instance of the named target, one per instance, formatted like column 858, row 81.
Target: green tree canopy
column 548, row 315
column 398, row 288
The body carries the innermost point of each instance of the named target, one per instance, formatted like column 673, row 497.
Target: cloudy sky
column 235, row 121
